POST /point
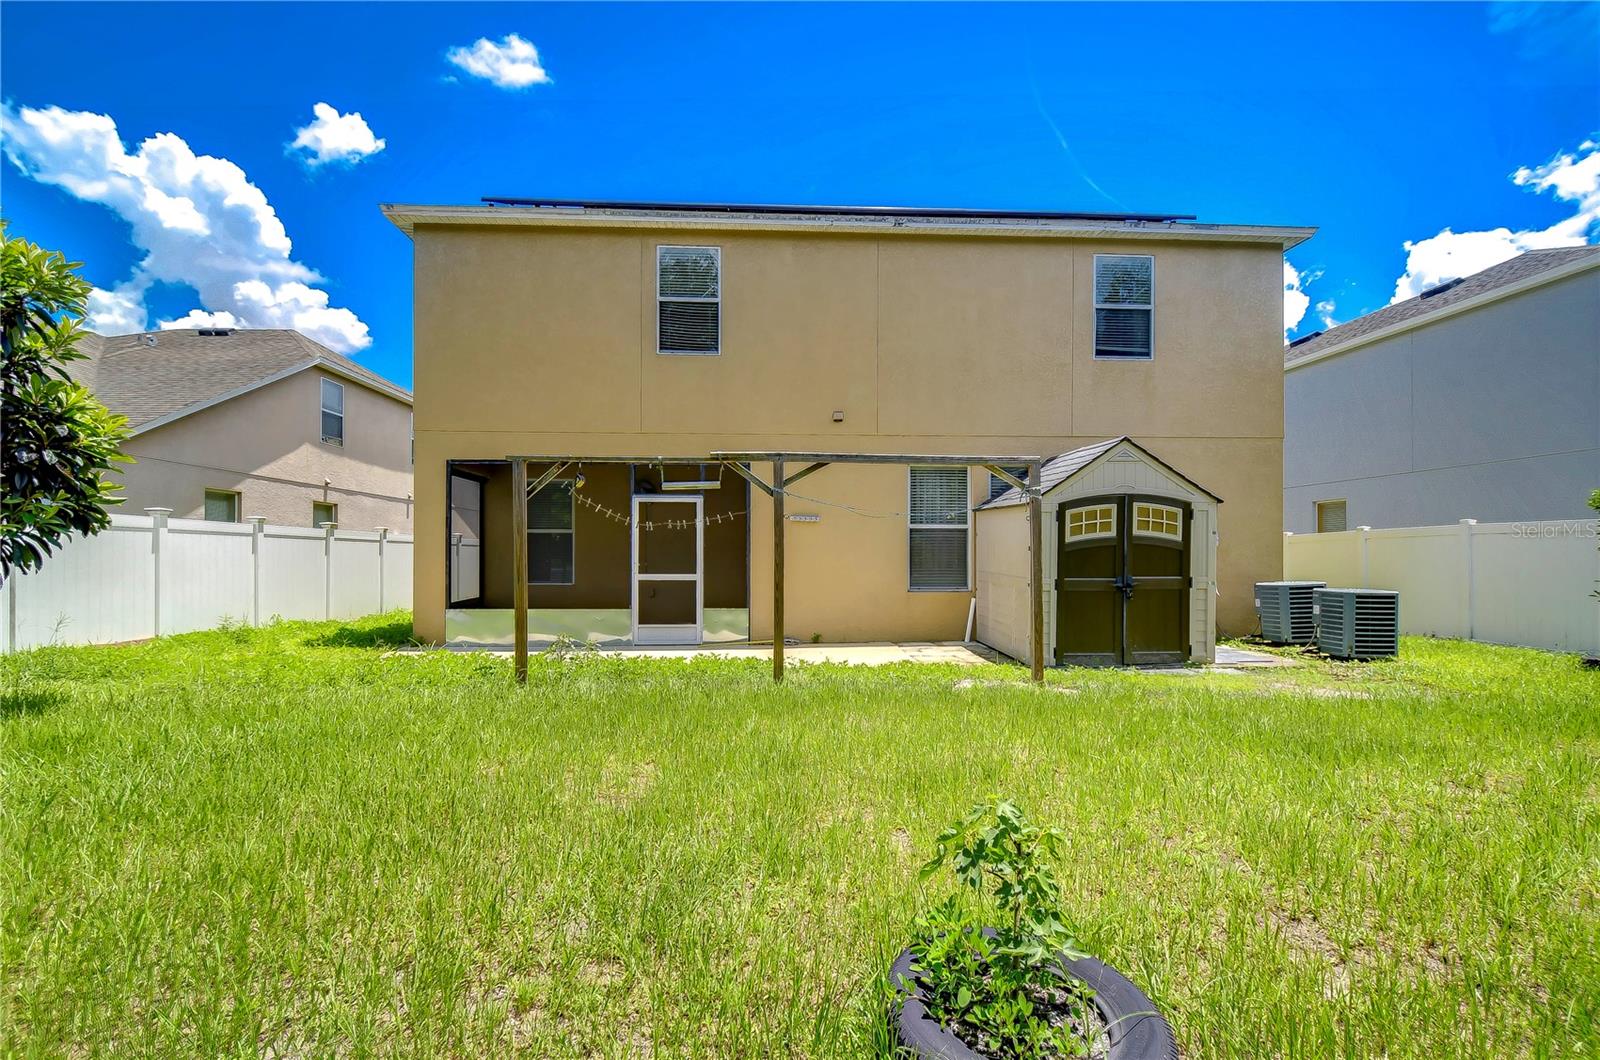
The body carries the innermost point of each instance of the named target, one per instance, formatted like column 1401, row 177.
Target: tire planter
column 1135, row 1030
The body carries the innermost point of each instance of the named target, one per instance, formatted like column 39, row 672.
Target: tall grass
column 281, row 842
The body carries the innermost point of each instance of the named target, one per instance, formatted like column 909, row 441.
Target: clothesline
column 952, row 515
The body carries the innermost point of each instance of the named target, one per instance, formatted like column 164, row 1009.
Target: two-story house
column 618, row 347
column 228, row 423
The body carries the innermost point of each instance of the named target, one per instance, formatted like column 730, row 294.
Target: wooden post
column 519, row 565
column 1036, row 568
column 777, row 570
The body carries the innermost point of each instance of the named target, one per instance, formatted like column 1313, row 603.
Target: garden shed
column 1129, row 566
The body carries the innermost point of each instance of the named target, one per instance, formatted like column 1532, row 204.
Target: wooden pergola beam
column 777, row 569
column 521, row 488
column 1005, row 476
column 803, row 472
column 547, row 476
column 519, row 565
column 749, row 476
column 767, row 456
column 1036, row 567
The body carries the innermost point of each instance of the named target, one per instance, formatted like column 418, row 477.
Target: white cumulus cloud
column 1325, row 310
column 198, row 220
column 1295, row 300
column 335, row 137
column 1571, row 177
column 510, row 63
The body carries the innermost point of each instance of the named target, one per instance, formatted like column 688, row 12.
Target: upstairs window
column 332, row 412
column 1124, row 305
column 1330, row 517
column 940, row 520
column 550, row 560
column 689, row 300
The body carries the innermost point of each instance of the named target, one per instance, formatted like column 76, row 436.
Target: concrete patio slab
column 1227, row 656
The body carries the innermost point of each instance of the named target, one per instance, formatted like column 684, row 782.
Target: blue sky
column 1381, row 123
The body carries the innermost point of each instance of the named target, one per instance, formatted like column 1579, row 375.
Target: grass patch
column 280, row 841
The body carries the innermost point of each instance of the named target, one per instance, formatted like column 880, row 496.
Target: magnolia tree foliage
column 56, row 441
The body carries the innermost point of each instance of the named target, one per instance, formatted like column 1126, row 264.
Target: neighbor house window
column 222, row 506
column 550, row 534
column 1158, row 520
column 1098, row 520
column 1124, row 305
column 332, row 412
column 940, row 519
column 1330, row 517
column 324, row 512
column 689, row 300
column 998, row 485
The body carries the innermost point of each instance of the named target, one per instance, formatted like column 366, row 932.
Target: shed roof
column 154, row 377
column 1058, row 469
column 1530, row 268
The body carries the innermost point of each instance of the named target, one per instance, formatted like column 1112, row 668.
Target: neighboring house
column 232, row 423
column 1477, row 399
column 624, row 344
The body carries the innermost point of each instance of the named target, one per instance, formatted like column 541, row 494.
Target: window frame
column 324, row 410
column 1110, row 532
column 1316, row 515
column 1163, row 534
column 571, row 531
column 717, row 301
column 233, row 495
column 316, row 524
column 965, row 528
column 1094, row 296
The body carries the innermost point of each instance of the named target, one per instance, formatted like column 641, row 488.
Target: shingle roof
column 152, row 374
column 1058, row 469
column 1521, row 267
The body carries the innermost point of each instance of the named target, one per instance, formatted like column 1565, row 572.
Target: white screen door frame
column 676, row 633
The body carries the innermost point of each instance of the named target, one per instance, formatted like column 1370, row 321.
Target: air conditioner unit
column 1358, row 623
column 1284, row 610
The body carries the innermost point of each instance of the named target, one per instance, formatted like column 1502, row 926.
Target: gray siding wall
column 1491, row 414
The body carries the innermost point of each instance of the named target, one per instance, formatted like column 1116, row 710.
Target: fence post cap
column 381, row 529
column 258, row 520
column 1363, row 528
column 158, row 511
column 1288, row 533
column 329, row 527
column 1469, row 522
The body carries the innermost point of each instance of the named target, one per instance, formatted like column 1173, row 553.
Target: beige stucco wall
column 540, row 341
column 267, row 446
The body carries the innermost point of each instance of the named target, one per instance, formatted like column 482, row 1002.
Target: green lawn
column 280, row 842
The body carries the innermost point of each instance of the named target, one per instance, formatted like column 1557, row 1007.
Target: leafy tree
column 56, row 441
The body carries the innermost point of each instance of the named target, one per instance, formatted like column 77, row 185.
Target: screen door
column 668, row 595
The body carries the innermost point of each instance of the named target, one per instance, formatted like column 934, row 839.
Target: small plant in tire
column 988, row 957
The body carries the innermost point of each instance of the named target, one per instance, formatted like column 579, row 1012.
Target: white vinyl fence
column 1502, row 583
column 148, row 575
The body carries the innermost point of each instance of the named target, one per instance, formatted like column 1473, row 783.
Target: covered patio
column 657, row 575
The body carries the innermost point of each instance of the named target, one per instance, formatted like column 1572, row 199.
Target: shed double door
column 1122, row 581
